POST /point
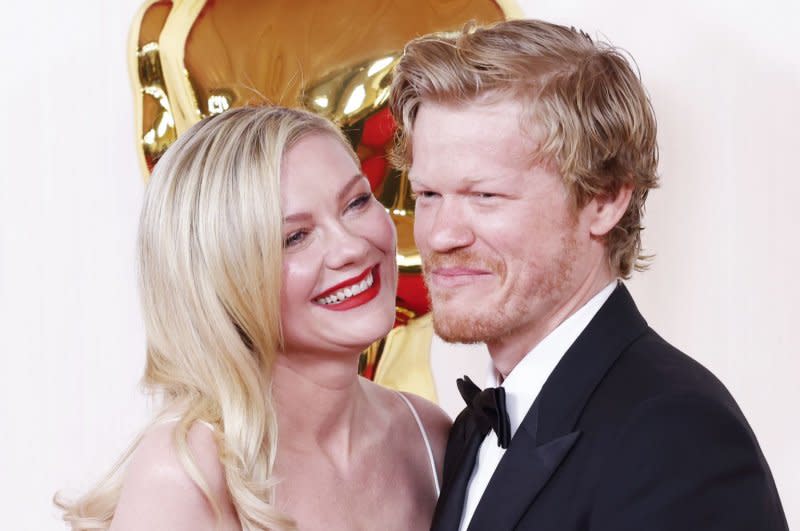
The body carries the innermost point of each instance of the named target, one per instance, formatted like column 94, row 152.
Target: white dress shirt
column 450, row 361
column 522, row 386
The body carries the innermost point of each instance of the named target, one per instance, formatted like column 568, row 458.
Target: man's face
column 504, row 252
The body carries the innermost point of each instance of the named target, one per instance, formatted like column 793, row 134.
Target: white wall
column 724, row 77
column 71, row 342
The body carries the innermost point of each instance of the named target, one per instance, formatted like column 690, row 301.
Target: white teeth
column 346, row 293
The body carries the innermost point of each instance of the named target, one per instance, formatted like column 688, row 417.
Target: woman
column 266, row 267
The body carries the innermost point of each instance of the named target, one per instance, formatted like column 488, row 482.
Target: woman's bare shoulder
column 437, row 423
column 158, row 492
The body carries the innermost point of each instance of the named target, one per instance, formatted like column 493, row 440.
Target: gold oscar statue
column 190, row 59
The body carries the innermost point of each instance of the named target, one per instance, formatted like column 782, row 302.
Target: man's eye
column 485, row 195
column 295, row 238
column 423, row 194
column 360, row 201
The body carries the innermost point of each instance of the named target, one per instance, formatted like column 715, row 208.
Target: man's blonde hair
column 587, row 106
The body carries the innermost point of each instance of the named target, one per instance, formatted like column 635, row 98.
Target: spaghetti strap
column 425, row 439
column 176, row 418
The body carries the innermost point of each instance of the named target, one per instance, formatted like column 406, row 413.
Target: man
column 531, row 150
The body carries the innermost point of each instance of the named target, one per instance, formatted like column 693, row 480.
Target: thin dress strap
column 176, row 418
column 425, row 439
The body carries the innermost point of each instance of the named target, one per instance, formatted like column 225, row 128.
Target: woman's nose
column 346, row 247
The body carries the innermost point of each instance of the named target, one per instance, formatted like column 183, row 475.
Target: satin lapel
column 521, row 474
column 462, row 448
column 569, row 388
column 548, row 431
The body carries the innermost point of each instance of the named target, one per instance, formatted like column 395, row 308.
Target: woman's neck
column 319, row 401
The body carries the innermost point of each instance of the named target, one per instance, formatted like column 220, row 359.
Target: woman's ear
column 608, row 209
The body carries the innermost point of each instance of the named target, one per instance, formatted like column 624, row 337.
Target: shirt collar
column 526, row 379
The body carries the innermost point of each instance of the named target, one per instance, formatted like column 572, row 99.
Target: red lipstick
column 356, row 300
column 349, row 282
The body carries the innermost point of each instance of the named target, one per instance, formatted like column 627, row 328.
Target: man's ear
column 607, row 210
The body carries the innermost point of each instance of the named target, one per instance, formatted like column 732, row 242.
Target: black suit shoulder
column 678, row 452
column 650, row 368
column 627, row 433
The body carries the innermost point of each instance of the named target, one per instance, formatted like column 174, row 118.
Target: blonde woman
column 266, row 266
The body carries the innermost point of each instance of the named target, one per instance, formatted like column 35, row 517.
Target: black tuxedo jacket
column 627, row 434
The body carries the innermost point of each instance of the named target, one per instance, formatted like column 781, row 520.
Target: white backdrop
column 724, row 78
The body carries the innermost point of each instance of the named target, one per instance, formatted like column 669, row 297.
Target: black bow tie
column 488, row 408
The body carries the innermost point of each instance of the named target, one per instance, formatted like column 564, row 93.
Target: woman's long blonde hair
column 210, row 244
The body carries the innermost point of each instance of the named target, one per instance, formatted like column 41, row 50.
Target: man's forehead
column 465, row 181
column 487, row 105
column 484, row 98
column 473, row 180
column 476, row 121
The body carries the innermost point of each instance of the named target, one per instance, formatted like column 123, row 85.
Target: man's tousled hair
column 585, row 105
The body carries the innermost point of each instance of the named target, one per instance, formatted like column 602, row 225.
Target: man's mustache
column 460, row 258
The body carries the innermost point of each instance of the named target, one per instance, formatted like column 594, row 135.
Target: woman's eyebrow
column 302, row 216
column 350, row 184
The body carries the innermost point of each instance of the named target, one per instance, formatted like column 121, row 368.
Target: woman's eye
column 294, row 238
column 360, row 201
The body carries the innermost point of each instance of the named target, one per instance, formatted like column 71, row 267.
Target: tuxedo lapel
column 568, row 389
column 521, row 474
column 548, row 431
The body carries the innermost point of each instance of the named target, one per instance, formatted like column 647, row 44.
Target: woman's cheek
column 387, row 231
column 299, row 277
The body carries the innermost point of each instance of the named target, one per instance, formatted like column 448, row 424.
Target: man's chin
column 459, row 328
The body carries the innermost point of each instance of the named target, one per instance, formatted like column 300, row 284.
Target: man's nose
column 450, row 227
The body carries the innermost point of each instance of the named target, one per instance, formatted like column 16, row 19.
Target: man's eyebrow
column 415, row 181
column 465, row 182
column 302, row 216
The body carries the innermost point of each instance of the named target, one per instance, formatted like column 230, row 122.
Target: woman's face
column 339, row 267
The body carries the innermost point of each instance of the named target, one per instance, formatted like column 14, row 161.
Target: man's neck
column 508, row 351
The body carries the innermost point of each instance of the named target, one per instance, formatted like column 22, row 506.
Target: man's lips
column 345, row 283
column 457, row 276
column 459, row 271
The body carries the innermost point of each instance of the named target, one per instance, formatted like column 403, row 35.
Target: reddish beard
column 458, row 328
column 509, row 309
column 461, row 258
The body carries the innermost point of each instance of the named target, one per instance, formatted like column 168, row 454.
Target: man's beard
column 465, row 325
column 481, row 323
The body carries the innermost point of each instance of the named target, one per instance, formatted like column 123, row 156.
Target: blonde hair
column 597, row 124
column 210, row 244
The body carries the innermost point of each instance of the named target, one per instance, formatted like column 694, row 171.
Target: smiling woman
column 339, row 275
column 266, row 267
